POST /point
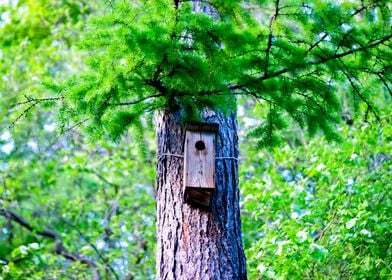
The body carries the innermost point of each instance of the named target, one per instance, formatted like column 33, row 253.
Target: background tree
column 292, row 60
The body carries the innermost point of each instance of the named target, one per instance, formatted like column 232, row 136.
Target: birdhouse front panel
column 200, row 159
column 199, row 169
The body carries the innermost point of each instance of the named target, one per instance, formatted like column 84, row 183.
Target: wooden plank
column 199, row 166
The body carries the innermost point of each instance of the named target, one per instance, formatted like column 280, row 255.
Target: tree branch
column 270, row 36
column 64, row 130
column 33, row 102
column 160, row 94
column 348, row 74
column 24, row 113
column 311, row 63
column 59, row 247
column 16, row 260
column 315, row 44
column 320, row 235
column 38, row 100
column 102, row 257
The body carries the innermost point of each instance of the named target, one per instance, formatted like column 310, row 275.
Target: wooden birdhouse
column 199, row 166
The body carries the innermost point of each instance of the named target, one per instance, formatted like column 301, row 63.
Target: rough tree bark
column 193, row 243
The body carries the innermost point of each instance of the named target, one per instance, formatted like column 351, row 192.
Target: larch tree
column 177, row 61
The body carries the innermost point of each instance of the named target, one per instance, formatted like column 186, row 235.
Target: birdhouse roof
column 199, row 126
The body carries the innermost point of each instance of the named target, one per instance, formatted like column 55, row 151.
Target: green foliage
column 149, row 61
column 322, row 210
column 99, row 198
column 152, row 55
column 291, row 57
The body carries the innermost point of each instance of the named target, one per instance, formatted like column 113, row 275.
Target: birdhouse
column 199, row 163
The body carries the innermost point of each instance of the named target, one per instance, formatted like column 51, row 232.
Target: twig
column 33, row 102
column 24, row 113
column 68, row 129
column 38, row 100
column 322, row 232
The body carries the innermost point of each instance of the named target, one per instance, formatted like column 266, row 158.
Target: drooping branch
column 382, row 76
column 349, row 76
column 58, row 247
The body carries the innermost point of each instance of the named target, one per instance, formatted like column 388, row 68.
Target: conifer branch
column 380, row 75
column 322, row 110
column 126, row 103
column 38, row 100
column 68, row 129
column 315, row 44
column 33, row 102
column 352, row 51
column 24, row 113
column 345, row 36
column 270, row 37
column 312, row 63
column 259, row 97
column 158, row 85
column 346, row 72
column 58, row 247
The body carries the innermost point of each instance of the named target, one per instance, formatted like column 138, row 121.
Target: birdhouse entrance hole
column 200, row 145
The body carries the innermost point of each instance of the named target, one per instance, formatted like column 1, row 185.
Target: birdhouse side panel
column 199, row 159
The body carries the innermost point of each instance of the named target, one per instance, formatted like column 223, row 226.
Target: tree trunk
column 194, row 243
